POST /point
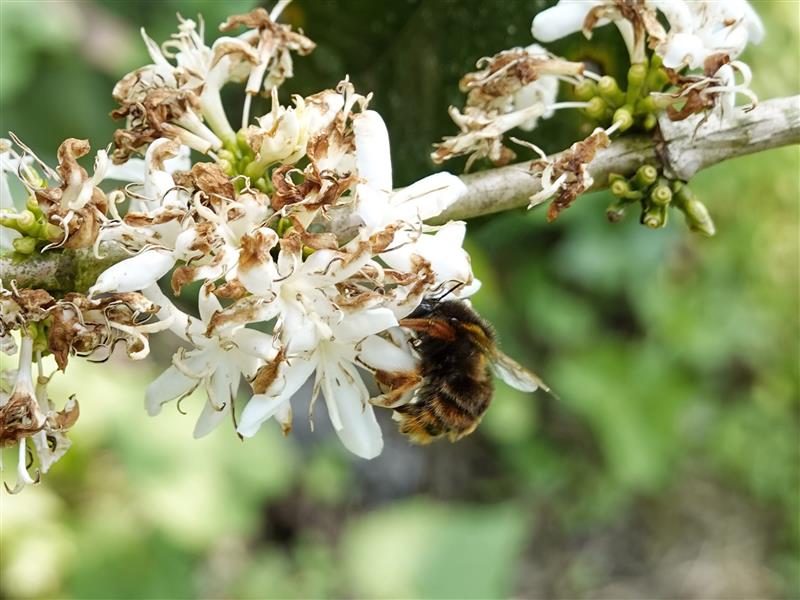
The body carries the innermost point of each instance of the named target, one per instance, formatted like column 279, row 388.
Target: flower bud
column 585, row 90
column 242, row 144
column 616, row 210
column 645, row 176
column 24, row 244
column 227, row 167
column 620, row 187
column 649, row 122
column 654, row 216
column 596, row 109
column 33, row 205
column 624, row 116
column 610, row 92
column 225, row 154
column 26, row 221
column 657, row 77
column 697, row 216
column 646, row 105
column 636, row 77
column 661, row 195
column 263, row 185
column 283, row 226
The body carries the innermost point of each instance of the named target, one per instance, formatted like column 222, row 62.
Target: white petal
column 135, row 273
column 372, row 207
column 683, row 49
column 224, row 383
column 207, row 305
column 443, row 250
column 263, row 406
column 373, row 157
column 359, row 324
column 131, row 170
column 381, row 354
column 209, row 419
column 428, row 197
column 562, row 19
column 169, row 385
column 346, row 397
column 255, row 343
column 260, row 408
column 301, row 331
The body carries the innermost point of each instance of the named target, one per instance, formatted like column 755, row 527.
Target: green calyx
column 655, row 194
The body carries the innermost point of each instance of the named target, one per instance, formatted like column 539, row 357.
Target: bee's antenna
column 448, row 292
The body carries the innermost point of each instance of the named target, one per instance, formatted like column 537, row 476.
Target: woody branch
column 681, row 148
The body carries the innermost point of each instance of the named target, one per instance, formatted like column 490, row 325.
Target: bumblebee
column 458, row 352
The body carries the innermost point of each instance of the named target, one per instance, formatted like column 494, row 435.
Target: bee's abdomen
column 453, row 408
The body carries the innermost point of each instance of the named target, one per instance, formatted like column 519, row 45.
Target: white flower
column 26, row 412
column 282, row 134
column 217, row 361
column 205, row 68
column 707, row 28
column 332, row 354
column 542, row 91
column 379, row 207
column 697, row 29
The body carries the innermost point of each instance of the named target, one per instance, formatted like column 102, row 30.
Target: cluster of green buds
column 32, row 225
column 239, row 161
column 655, row 194
column 608, row 103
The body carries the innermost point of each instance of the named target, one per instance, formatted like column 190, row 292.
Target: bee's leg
column 387, row 401
column 438, row 328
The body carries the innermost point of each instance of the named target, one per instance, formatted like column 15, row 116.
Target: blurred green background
column 668, row 468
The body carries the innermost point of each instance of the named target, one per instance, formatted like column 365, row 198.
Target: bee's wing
column 515, row 375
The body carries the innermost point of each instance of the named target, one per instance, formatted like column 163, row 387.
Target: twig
column 685, row 148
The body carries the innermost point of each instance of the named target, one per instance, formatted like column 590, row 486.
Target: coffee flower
column 26, row 414
column 697, row 29
column 514, row 88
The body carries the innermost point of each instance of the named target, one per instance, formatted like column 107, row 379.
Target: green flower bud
column 619, row 188
column 227, row 167
column 283, row 226
column 24, row 244
column 657, row 77
column 51, row 233
column 307, row 251
column 645, row 176
column 585, row 90
column 616, row 210
column 636, row 78
column 654, row 216
column 33, row 205
column 596, row 109
column 610, row 92
column 263, row 185
column 26, row 222
column 242, row 144
column 646, row 105
column 226, row 154
column 697, row 216
column 649, row 122
column 661, row 194
column 623, row 115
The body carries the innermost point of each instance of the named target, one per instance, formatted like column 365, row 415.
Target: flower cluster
column 691, row 66
column 302, row 256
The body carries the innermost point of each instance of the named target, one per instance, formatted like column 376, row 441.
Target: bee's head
column 465, row 320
